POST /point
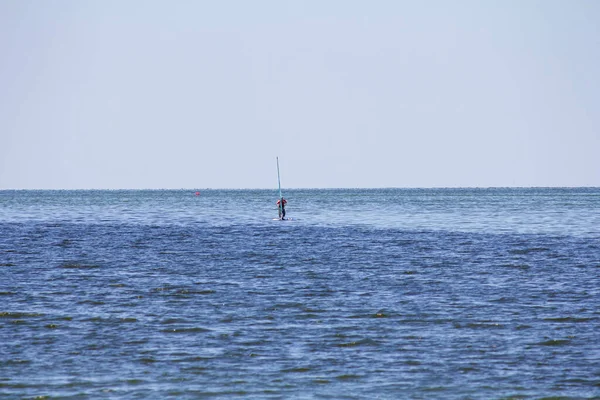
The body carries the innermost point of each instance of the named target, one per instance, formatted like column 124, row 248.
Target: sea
column 488, row 293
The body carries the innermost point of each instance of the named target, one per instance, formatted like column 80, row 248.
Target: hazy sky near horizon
column 111, row 94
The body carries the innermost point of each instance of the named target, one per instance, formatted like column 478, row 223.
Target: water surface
column 393, row 293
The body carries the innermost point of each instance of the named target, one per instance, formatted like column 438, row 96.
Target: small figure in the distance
column 281, row 206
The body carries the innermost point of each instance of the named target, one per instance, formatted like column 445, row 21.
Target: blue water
column 394, row 293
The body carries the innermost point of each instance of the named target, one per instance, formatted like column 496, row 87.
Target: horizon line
column 304, row 188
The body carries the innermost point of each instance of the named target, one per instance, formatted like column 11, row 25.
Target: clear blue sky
column 205, row 94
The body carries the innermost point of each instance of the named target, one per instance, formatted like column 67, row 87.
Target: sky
column 148, row 94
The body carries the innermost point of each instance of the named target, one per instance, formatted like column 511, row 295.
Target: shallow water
column 422, row 293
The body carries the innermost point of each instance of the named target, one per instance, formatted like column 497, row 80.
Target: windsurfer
column 281, row 205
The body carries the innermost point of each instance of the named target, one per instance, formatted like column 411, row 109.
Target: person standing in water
column 281, row 206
